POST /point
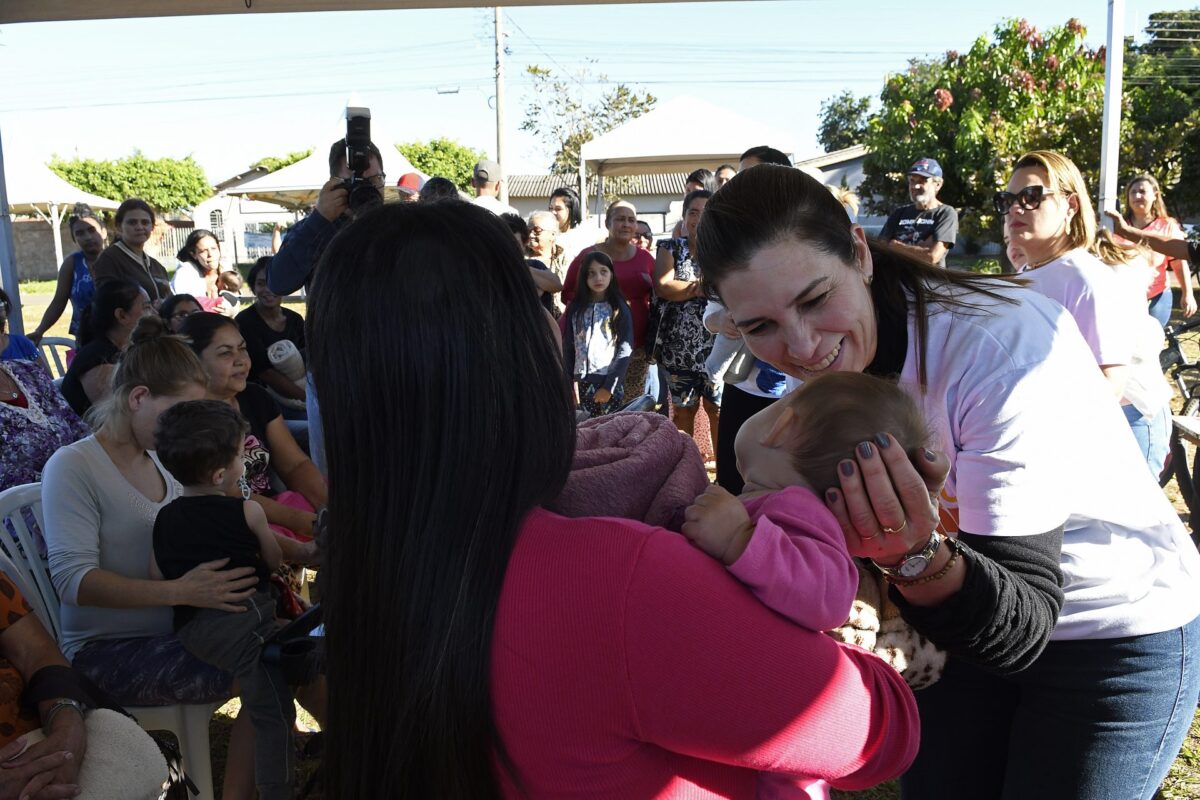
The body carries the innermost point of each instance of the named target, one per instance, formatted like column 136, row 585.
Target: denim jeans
column 316, row 436
column 1160, row 306
column 1099, row 719
column 1153, row 435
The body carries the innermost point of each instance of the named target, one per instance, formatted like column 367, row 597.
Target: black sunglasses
column 1030, row 199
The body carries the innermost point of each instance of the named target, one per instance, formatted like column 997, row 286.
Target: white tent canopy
column 48, row 10
column 296, row 186
column 679, row 136
column 34, row 189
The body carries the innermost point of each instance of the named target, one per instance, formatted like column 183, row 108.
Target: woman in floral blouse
column 35, row 421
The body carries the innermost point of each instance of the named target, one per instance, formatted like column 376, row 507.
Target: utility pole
column 500, row 102
column 1111, row 130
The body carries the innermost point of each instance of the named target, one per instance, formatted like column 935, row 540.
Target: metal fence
column 165, row 247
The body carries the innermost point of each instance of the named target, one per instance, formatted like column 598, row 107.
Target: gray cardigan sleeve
column 72, row 515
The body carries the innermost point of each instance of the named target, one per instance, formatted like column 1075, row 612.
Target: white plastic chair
column 54, row 353
column 24, row 554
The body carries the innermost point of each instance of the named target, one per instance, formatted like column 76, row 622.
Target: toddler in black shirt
column 201, row 443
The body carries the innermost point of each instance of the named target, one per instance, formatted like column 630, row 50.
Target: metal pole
column 500, row 101
column 8, row 255
column 1110, row 141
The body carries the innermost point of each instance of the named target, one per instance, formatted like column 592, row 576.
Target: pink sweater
column 796, row 562
column 628, row 664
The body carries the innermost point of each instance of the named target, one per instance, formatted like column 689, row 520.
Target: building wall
column 34, row 241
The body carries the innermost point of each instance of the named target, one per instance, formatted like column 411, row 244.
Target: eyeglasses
column 1030, row 198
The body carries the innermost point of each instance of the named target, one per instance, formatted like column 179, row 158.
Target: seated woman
column 263, row 324
column 104, row 333
column 35, row 421
column 655, row 674
column 100, row 497
column 199, row 271
column 47, row 748
column 178, row 307
column 269, row 445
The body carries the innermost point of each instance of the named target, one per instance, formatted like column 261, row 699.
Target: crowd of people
column 964, row 463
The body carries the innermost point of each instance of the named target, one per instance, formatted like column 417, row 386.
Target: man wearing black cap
column 486, row 180
column 928, row 227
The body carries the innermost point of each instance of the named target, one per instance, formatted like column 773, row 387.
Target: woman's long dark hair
column 767, row 204
column 199, row 329
column 447, row 418
column 188, row 251
column 571, row 200
column 612, row 295
column 100, row 316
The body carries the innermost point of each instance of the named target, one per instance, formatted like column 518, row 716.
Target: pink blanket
column 636, row 466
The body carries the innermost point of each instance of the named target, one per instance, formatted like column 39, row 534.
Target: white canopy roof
column 45, row 10
column 679, row 136
column 34, row 188
column 297, row 185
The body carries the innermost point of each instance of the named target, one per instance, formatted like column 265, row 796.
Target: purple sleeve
column 796, row 562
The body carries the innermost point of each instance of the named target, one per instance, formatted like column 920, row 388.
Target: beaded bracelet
column 941, row 573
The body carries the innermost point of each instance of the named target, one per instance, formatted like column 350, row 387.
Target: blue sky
column 230, row 89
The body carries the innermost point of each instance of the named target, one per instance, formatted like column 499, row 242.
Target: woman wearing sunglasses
column 1047, row 213
column 1068, row 601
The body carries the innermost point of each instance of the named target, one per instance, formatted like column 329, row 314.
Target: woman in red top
column 480, row 646
column 634, row 268
column 1145, row 209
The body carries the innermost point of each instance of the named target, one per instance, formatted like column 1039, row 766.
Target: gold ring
column 903, row 525
column 866, row 538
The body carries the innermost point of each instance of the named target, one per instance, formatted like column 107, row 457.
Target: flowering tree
column 977, row 112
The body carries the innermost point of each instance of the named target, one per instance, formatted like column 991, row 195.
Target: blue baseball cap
column 927, row 167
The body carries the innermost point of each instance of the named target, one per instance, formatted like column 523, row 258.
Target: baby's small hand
column 718, row 524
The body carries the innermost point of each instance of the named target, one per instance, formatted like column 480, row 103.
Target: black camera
column 361, row 192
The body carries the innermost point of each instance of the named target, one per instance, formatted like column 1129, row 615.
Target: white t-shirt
column 188, row 280
column 1089, row 289
column 494, row 205
column 750, row 385
column 1035, row 441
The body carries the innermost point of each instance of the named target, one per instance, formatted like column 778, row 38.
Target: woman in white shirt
column 1048, row 215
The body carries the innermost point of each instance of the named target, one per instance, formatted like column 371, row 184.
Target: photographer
column 336, row 205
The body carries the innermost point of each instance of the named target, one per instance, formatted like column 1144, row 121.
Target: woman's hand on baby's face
column 886, row 488
column 718, row 524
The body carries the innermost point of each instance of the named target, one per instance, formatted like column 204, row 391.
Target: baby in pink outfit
column 777, row 537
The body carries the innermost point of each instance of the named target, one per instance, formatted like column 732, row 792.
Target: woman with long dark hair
column 198, row 270
column 1068, row 597
column 105, row 332
column 482, row 647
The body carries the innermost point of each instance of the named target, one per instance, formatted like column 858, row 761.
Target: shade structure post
column 1110, row 140
column 8, row 254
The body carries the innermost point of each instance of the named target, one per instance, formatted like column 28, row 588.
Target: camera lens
column 363, row 194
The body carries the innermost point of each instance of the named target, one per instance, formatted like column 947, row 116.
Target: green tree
column 564, row 120
column 167, row 184
column 444, row 158
column 843, row 121
column 273, row 163
column 976, row 112
column 1160, row 131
